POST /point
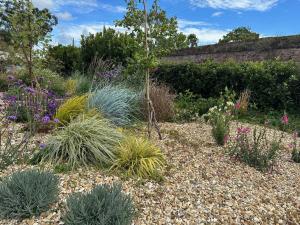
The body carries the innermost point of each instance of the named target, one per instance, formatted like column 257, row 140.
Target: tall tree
column 25, row 27
column 162, row 32
column 192, row 40
column 240, row 34
column 140, row 22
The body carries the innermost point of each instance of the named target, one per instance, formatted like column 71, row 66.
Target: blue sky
column 208, row 19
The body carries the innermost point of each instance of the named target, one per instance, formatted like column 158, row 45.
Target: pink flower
column 295, row 134
column 237, row 106
column 243, row 130
column 291, row 145
column 285, row 119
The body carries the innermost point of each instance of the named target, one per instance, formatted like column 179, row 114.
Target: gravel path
column 202, row 186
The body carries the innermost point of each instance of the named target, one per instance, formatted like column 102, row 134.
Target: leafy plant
column 163, row 102
column 118, row 104
column 255, row 150
column 27, row 193
column 86, row 140
column 71, row 109
column 103, row 205
column 190, row 107
column 219, row 117
column 138, row 157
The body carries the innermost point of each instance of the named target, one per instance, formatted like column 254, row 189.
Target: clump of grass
column 71, row 109
column 27, row 193
column 85, row 141
column 118, row 104
column 103, row 205
column 138, row 157
column 163, row 102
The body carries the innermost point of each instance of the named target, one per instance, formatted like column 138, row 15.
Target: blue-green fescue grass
column 104, row 205
column 85, row 141
column 28, row 193
column 118, row 104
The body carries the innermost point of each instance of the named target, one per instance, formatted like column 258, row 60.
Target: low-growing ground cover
column 202, row 184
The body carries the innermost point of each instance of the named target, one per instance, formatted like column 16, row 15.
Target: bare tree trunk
column 151, row 112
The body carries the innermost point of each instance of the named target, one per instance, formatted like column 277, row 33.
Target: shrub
column 86, row 140
column 255, row 150
column 273, row 84
column 138, row 157
column 27, row 193
column 71, row 109
column 46, row 78
column 295, row 147
column 103, row 205
column 116, row 103
column 163, row 102
column 189, row 107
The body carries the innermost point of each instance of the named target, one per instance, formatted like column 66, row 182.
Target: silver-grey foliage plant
column 118, row 104
column 27, row 193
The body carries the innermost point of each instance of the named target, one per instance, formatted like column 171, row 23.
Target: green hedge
column 274, row 84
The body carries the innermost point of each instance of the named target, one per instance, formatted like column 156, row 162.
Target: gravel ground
column 202, row 185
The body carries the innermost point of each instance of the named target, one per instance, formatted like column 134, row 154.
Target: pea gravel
column 202, row 185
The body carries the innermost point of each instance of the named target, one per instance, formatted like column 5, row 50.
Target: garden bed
column 202, row 185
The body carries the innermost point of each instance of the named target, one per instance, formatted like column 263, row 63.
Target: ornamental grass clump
column 118, row 104
column 254, row 148
column 28, row 193
column 103, row 205
column 138, row 157
column 71, row 109
column 85, row 141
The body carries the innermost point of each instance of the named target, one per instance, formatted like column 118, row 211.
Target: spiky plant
column 116, row 103
column 103, row 205
column 27, row 193
column 138, row 157
column 86, row 140
column 71, row 109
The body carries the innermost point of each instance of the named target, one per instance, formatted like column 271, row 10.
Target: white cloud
column 64, row 16
column 216, row 14
column 65, row 34
column 41, row 4
column 80, row 6
column 259, row 5
column 205, row 35
column 111, row 8
column 190, row 23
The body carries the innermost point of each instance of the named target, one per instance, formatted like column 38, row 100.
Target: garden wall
column 285, row 48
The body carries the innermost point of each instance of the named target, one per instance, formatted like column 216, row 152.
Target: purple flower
column 10, row 77
column 13, row 118
column 43, row 146
column 30, row 90
column 285, row 119
column 46, row 119
column 56, row 120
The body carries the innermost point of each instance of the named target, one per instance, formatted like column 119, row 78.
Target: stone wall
column 284, row 48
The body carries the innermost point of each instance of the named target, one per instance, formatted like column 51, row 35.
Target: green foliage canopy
column 240, row 34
